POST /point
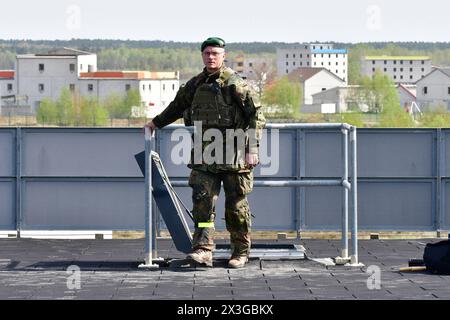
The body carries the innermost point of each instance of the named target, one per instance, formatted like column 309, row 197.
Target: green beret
column 213, row 42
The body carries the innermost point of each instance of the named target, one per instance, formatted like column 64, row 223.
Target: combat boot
column 237, row 262
column 202, row 256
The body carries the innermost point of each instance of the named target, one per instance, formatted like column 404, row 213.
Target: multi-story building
column 313, row 56
column 39, row 76
column 401, row 69
column 433, row 90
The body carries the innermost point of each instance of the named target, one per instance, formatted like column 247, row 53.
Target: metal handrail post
column 148, row 203
column 344, row 250
column 353, row 141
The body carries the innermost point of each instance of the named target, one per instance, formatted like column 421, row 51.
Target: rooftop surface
column 37, row 269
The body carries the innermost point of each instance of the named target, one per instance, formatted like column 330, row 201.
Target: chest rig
column 213, row 106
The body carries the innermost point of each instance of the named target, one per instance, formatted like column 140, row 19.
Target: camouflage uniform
column 227, row 94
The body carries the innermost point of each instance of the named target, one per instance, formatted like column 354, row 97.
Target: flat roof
column 7, row 74
column 130, row 75
column 398, row 58
column 331, row 51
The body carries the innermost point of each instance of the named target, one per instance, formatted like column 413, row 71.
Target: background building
column 433, row 90
column 314, row 80
column 401, row 69
column 39, row 76
column 313, row 56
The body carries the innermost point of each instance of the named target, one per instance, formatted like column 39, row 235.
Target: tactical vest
column 209, row 107
column 214, row 106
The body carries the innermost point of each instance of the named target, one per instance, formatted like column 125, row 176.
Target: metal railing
column 349, row 143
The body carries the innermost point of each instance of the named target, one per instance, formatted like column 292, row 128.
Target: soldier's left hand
column 251, row 160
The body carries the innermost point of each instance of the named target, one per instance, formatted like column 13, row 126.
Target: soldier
column 219, row 98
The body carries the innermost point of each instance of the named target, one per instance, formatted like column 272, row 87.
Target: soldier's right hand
column 151, row 126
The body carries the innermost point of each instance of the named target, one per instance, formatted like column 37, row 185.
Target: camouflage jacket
column 241, row 94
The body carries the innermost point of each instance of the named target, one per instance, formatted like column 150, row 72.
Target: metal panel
column 7, row 204
column 83, row 204
column 383, row 205
column 284, row 161
column 7, row 152
column 445, row 204
column 396, row 153
column 446, row 152
column 81, row 153
column 323, row 156
column 268, row 214
column 397, row 205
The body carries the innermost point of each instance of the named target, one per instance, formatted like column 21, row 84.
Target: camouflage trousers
column 205, row 191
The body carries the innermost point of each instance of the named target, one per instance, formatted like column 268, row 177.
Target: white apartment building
column 39, row 76
column 157, row 89
column 313, row 56
column 401, row 69
column 433, row 90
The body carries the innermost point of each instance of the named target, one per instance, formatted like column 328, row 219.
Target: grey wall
column 86, row 179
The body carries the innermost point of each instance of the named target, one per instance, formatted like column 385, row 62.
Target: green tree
column 438, row 118
column 47, row 112
column 92, row 113
column 284, row 95
column 65, row 113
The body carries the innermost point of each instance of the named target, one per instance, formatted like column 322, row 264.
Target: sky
column 233, row 20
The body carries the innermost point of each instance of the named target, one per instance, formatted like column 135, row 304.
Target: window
column 9, row 87
column 329, row 63
column 240, row 64
column 250, row 64
column 307, row 63
column 41, row 67
column 307, row 55
column 324, row 89
column 385, row 62
column 411, row 69
column 143, row 87
column 301, row 63
column 410, row 62
column 127, row 87
column 373, row 61
column 401, row 69
column 395, row 61
column 337, row 63
column 410, row 77
column 423, row 62
column 329, row 56
column 173, row 87
column 395, row 69
column 90, row 87
column 423, row 69
column 322, row 56
column 287, row 63
column 72, row 87
column 314, row 63
column 401, row 77
column 425, row 90
column 401, row 61
column 72, row 67
column 447, row 89
column 293, row 63
column 293, row 56
column 287, row 55
column 395, row 77
column 287, row 71
column 149, row 87
column 385, row 69
column 164, row 87
column 322, row 63
column 373, row 69
column 301, row 55
column 41, row 87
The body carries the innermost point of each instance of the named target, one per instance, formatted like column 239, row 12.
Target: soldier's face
column 213, row 58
